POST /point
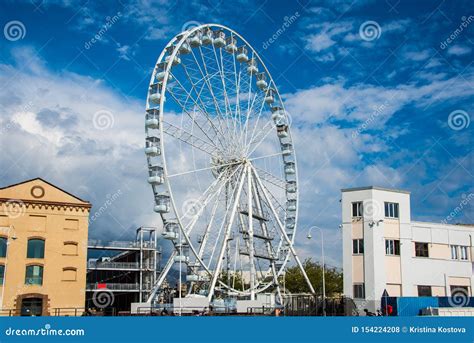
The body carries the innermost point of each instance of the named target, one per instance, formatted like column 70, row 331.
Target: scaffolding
column 130, row 270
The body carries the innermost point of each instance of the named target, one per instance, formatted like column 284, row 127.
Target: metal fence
column 310, row 305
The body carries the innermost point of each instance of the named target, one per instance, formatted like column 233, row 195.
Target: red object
column 101, row 285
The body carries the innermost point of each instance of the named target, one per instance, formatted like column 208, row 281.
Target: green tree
column 295, row 282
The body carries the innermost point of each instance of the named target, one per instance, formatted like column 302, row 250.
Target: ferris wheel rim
column 179, row 40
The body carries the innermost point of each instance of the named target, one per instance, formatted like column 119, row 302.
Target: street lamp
column 322, row 254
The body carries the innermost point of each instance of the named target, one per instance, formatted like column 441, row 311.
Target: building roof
column 375, row 188
column 22, row 186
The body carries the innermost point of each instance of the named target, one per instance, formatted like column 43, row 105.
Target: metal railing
column 115, row 265
column 114, row 286
column 120, row 244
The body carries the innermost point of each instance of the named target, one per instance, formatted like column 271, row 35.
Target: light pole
column 6, row 260
column 322, row 257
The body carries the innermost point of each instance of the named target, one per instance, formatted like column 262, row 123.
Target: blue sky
column 369, row 107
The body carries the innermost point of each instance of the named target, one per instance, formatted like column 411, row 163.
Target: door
column 32, row 307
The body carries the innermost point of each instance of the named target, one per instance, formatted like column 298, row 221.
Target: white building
column 383, row 249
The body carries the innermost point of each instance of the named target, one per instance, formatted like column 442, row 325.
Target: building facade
column 43, row 248
column 384, row 250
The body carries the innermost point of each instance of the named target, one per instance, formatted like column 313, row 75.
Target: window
column 459, row 290
column 391, row 210
column 34, row 275
column 35, row 248
column 357, row 246
column 454, row 252
column 424, row 291
column 2, row 273
column 392, row 247
column 463, row 253
column 3, row 247
column 421, row 249
column 357, row 209
column 359, row 291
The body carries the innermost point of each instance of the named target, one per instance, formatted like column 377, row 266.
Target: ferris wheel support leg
column 251, row 243
column 226, row 236
column 258, row 202
column 283, row 232
column 162, row 276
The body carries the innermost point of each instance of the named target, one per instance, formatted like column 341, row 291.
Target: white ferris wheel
column 222, row 165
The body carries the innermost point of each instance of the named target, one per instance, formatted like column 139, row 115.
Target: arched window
column 34, row 275
column 3, row 247
column 35, row 248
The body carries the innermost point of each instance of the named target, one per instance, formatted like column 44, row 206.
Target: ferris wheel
column 221, row 164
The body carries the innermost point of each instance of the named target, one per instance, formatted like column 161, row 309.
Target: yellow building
column 43, row 248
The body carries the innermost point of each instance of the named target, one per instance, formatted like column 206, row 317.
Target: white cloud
column 459, row 50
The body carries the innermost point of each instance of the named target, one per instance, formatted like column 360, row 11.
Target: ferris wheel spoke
column 211, row 141
column 220, row 117
column 269, row 177
column 184, row 108
column 259, row 138
column 256, row 125
column 188, row 138
column 218, row 131
column 220, row 67
column 206, row 168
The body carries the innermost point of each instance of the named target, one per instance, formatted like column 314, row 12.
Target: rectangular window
column 454, row 252
column 424, row 291
column 357, row 209
column 463, row 253
column 421, row 249
column 2, row 273
column 359, row 291
column 357, row 246
column 391, row 210
column 392, row 247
